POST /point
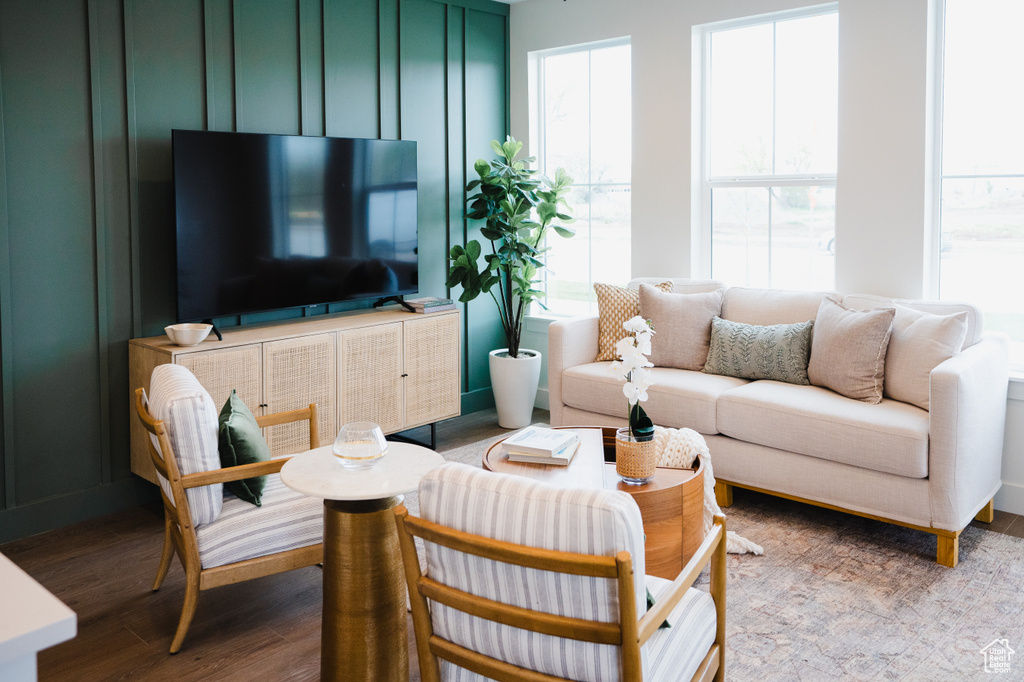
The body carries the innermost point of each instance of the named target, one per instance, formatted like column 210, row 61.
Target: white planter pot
column 514, row 382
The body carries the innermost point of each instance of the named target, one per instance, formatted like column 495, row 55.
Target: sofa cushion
column 682, row 326
column 891, row 437
column 920, row 342
column 680, row 285
column 615, row 305
column 770, row 306
column 677, row 398
column 750, row 351
column 676, row 652
column 848, row 350
column 286, row 520
column 975, row 319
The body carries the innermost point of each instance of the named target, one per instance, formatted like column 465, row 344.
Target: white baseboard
column 543, row 401
column 1010, row 498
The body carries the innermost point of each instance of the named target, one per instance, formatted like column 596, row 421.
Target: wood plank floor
column 266, row 629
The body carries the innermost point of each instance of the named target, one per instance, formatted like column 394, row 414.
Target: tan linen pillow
column 848, row 350
column 615, row 305
column 682, row 326
column 919, row 342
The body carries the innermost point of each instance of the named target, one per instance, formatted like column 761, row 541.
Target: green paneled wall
column 89, row 93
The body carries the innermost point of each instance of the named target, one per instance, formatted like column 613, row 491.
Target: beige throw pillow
column 919, row 342
column 682, row 326
column 615, row 305
column 848, row 350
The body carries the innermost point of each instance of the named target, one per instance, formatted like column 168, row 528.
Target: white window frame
column 538, row 136
column 702, row 116
column 933, row 277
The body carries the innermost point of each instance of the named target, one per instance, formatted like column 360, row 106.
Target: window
column 769, row 138
column 582, row 123
column 981, row 193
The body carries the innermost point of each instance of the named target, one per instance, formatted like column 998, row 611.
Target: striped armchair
column 219, row 538
column 529, row 582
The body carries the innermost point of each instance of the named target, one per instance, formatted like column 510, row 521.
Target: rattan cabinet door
column 219, row 371
column 297, row 372
column 432, row 369
column 370, row 375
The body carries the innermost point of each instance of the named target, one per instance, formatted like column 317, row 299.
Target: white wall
column 886, row 100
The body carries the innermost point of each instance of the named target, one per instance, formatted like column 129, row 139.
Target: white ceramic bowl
column 189, row 334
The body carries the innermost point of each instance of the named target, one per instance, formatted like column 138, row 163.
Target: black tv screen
column 280, row 221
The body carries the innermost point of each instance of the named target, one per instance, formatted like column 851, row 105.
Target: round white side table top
column 318, row 473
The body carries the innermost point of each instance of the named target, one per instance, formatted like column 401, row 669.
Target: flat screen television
column 266, row 222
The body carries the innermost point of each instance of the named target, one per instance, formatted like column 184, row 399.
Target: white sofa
column 932, row 470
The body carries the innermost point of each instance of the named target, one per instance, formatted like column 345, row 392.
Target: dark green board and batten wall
column 89, row 93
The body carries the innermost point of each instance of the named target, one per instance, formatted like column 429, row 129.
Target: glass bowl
column 360, row 445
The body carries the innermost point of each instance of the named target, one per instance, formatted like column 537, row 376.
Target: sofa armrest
column 570, row 342
column 967, row 418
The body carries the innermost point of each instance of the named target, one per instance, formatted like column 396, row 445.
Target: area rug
column 838, row 597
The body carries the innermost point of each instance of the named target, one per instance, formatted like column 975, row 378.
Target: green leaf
column 491, row 234
column 564, row 231
column 473, row 250
column 511, row 148
column 546, row 211
column 481, row 167
column 496, row 146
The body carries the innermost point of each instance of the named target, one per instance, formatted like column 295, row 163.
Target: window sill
column 1016, row 388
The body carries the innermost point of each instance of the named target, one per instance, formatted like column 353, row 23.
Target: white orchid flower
column 634, row 392
column 643, row 343
column 641, row 378
column 636, row 325
column 633, row 363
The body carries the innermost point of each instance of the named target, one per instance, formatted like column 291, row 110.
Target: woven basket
column 635, row 461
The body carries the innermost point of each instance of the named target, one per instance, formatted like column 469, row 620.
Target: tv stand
column 397, row 370
column 216, row 331
column 393, row 299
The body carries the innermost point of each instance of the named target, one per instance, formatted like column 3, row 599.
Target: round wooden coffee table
column 671, row 504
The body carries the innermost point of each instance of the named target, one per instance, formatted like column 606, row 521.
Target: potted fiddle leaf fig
column 519, row 206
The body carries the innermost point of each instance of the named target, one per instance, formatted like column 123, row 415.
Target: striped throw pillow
column 178, row 400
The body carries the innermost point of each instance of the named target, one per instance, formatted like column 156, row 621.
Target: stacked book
column 538, row 445
column 430, row 304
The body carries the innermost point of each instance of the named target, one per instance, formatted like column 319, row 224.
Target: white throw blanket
column 678, row 448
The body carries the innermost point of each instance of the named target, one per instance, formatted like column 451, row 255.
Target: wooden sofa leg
column 948, row 549
column 987, row 513
column 723, row 494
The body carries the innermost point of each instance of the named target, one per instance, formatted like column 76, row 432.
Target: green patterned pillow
column 779, row 352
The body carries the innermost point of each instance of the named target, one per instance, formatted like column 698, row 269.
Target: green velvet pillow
column 242, row 443
column 779, row 352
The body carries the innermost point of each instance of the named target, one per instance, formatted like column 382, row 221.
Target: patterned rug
column 837, row 597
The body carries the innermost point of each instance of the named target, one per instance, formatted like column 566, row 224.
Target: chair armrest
column 235, row 473
column 713, row 547
column 967, row 417
column 570, row 342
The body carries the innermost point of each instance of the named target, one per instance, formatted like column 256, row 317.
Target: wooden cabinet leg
column 948, row 549
column 723, row 494
column 987, row 513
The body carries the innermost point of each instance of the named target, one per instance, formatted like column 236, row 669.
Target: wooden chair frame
column 180, row 534
column 629, row 633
